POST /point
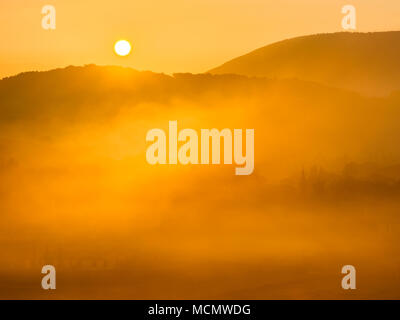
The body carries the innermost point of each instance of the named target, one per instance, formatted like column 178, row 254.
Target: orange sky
column 168, row 36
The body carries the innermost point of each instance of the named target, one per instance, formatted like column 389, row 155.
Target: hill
column 367, row 63
column 297, row 122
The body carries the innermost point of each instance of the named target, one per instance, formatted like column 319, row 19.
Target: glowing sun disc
column 122, row 48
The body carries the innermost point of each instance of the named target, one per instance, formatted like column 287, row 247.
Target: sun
column 122, row 48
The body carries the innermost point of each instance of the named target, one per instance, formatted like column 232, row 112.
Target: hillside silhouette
column 323, row 120
column 363, row 62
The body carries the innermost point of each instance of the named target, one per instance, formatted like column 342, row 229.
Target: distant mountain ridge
column 367, row 63
column 66, row 92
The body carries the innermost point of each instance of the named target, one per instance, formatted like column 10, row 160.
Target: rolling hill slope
column 364, row 62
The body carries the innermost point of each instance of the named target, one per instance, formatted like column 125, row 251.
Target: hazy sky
column 168, row 36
